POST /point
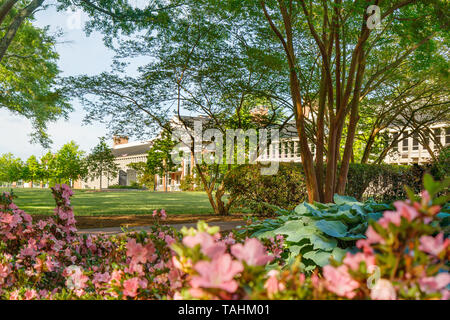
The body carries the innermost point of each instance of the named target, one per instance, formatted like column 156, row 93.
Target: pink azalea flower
column 353, row 260
column 252, row 252
column 218, row 273
column 339, row 281
column 209, row 246
column 130, row 287
column 372, row 237
column 393, row 217
column 383, row 290
column 30, row 294
column 272, row 283
column 434, row 245
column 406, row 211
column 435, row 284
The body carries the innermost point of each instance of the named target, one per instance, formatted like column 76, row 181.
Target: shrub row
column 287, row 188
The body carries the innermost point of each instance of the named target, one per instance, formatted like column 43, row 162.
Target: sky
column 79, row 54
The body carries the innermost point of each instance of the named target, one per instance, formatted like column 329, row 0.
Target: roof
column 131, row 149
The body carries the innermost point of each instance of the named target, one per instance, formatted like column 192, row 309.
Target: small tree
column 145, row 177
column 101, row 161
column 49, row 166
column 69, row 163
column 159, row 159
column 32, row 170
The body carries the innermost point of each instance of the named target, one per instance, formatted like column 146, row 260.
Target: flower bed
column 404, row 255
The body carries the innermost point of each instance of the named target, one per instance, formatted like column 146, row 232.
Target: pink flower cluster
column 54, row 262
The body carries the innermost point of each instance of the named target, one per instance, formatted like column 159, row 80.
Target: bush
column 134, row 186
column 252, row 190
column 383, row 183
column 440, row 169
column 191, row 183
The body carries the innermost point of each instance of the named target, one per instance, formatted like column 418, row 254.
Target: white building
column 409, row 150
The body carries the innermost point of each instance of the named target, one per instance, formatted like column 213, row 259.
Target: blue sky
column 78, row 55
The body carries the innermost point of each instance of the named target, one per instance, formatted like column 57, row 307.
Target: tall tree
column 353, row 58
column 101, row 161
column 29, row 83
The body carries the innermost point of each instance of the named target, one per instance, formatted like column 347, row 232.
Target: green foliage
column 11, row 168
column 319, row 231
column 69, row 164
column 29, row 83
column 159, row 157
column 440, row 169
column 101, row 162
column 384, row 183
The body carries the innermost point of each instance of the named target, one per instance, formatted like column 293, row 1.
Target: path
column 224, row 226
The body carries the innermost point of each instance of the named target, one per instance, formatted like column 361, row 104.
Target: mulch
column 91, row 222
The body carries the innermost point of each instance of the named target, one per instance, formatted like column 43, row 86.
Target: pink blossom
column 435, row 284
column 339, row 281
column 434, row 245
column 383, row 290
column 30, row 294
column 354, row 260
column 393, row 217
column 252, row 252
column 218, row 273
column 272, row 283
column 372, row 237
column 209, row 246
column 406, row 211
column 130, row 287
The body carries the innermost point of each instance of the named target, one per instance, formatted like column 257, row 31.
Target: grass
column 87, row 203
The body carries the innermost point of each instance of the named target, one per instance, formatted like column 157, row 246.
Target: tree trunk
column 5, row 9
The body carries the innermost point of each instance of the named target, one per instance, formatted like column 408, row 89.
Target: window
column 415, row 141
column 395, row 138
column 437, row 137
column 447, row 136
column 405, row 141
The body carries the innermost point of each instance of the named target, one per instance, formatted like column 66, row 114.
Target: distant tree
column 48, row 166
column 11, row 168
column 101, row 161
column 145, row 177
column 69, row 164
column 159, row 159
column 32, row 170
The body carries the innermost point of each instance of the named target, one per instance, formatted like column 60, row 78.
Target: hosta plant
column 318, row 231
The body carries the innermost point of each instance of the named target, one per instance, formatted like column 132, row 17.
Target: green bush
column 254, row 191
column 383, row 183
column 191, row 183
column 440, row 169
column 134, row 185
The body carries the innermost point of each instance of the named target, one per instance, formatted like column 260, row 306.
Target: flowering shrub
column 404, row 255
column 49, row 260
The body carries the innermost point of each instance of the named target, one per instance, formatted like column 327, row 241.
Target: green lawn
column 85, row 203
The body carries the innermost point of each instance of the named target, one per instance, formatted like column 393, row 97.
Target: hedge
column 287, row 188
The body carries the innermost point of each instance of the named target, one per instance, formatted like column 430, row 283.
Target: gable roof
column 134, row 149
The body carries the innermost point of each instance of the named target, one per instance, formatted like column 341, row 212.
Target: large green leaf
column 295, row 230
column 338, row 254
column 321, row 258
column 332, row 228
column 338, row 199
column 323, row 243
